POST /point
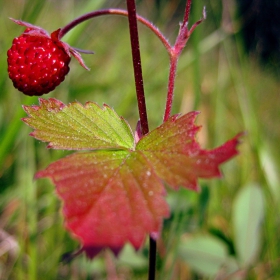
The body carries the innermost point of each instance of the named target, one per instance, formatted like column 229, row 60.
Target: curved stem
column 120, row 12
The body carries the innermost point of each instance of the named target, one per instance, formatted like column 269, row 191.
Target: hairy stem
column 187, row 12
column 175, row 52
column 171, row 86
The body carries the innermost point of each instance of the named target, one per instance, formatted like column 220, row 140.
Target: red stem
column 171, row 85
column 187, row 12
column 136, row 58
column 175, row 52
column 198, row 22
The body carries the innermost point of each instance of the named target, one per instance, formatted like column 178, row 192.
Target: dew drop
column 151, row 193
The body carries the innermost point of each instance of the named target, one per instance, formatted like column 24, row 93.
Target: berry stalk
column 119, row 12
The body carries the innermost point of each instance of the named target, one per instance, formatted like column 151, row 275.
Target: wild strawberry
column 38, row 62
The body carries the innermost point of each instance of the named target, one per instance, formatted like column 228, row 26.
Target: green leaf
column 204, row 254
column 248, row 214
column 78, row 127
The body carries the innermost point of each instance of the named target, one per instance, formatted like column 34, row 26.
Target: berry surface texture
column 36, row 63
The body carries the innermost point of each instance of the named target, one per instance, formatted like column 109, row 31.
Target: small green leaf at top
column 78, row 127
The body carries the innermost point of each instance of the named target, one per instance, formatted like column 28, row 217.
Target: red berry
column 38, row 62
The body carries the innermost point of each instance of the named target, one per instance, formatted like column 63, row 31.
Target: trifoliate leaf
column 115, row 196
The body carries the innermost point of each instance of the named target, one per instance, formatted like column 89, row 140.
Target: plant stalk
column 136, row 59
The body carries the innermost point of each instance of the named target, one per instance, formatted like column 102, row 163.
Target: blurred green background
column 230, row 230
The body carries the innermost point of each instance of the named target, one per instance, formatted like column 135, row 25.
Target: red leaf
column 176, row 156
column 109, row 198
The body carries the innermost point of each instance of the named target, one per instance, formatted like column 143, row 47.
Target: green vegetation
column 233, row 223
